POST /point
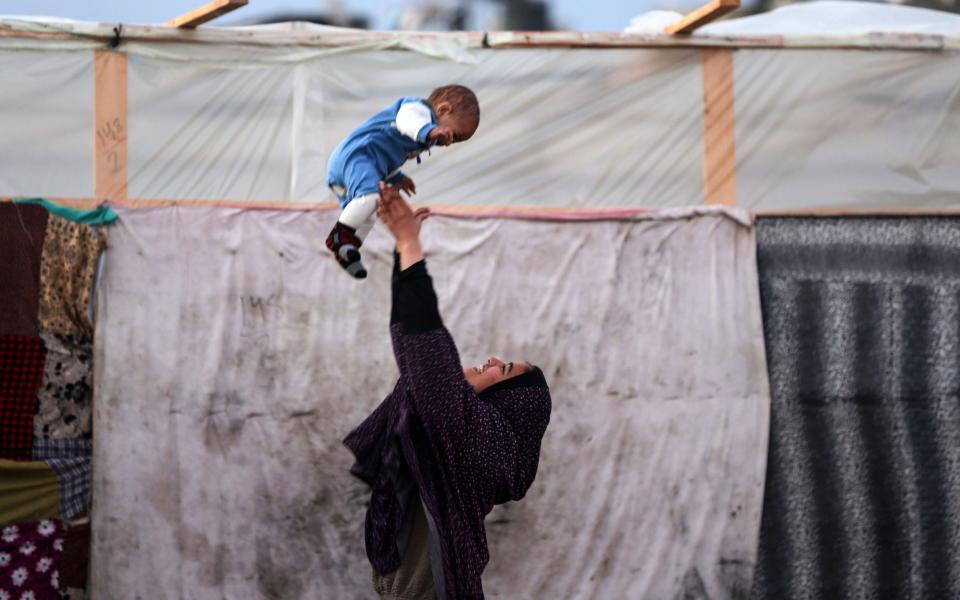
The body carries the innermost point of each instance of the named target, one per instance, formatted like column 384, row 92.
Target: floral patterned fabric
column 30, row 560
column 68, row 267
column 64, row 400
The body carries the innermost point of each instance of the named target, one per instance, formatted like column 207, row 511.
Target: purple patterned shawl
column 464, row 452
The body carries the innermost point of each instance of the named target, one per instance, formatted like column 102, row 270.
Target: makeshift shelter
column 742, row 407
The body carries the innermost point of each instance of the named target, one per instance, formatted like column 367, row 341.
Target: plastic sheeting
column 840, row 19
column 233, row 355
column 877, row 129
column 47, row 123
column 861, row 321
column 552, row 130
column 210, row 133
column 251, row 114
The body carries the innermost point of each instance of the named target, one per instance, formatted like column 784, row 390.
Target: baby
column 375, row 151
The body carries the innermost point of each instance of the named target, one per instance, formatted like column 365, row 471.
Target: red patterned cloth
column 21, row 372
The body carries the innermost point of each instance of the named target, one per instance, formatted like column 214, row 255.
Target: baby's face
column 460, row 126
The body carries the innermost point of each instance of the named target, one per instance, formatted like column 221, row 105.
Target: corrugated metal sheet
column 862, row 327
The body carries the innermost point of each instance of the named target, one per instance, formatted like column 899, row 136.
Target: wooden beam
column 859, row 212
column 719, row 148
column 487, row 210
column 703, row 15
column 207, row 12
column 110, row 125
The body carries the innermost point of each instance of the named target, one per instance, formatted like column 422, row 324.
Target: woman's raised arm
column 426, row 354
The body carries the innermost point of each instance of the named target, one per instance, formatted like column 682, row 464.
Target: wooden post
column 207, row 12
column 719, row 149
column 110, row 125
column 703, row 15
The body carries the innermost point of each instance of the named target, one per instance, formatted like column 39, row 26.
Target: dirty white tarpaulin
column 233, row 355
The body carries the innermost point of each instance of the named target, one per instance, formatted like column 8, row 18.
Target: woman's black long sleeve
column 414, row 305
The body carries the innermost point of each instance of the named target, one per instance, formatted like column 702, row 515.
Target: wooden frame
column 719, row 150
column 703, row 15
column 719, row 145
column 110, row 134
column 205, row 13
column 494, row 211
column 110, row 125
column 306, row 37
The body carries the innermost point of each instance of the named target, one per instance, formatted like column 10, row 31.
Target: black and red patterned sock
column 345, row 245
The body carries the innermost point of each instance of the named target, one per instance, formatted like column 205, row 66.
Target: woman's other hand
column 403, row 222
column 407, row 186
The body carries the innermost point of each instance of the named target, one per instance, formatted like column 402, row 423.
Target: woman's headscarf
column 524, row 401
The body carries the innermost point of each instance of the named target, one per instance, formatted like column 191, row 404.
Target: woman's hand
column 407, row 186
column 403, row 222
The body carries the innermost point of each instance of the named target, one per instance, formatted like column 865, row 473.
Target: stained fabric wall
column 862, row 326
column 233, row 355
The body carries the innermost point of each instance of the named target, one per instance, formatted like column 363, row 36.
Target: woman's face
column 492, row 372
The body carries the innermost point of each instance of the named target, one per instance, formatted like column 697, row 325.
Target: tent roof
column 839, row 18
column 816, row 24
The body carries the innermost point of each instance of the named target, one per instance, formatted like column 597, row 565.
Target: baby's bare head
column 457, row 108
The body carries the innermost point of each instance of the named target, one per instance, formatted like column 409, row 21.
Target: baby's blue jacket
column 375, row 151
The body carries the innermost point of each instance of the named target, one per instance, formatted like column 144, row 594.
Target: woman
column 446, row 445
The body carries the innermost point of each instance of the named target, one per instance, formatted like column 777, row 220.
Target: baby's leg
column 359, row 214
column 364, row 229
